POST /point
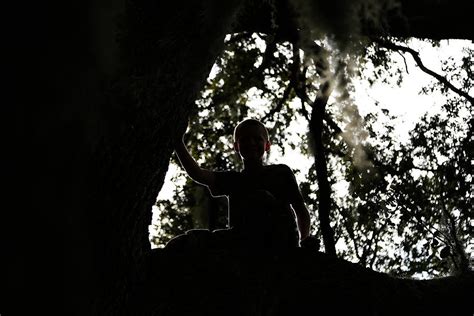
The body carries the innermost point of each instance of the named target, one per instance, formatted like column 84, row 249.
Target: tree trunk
column 102, row 122
column 168, row 51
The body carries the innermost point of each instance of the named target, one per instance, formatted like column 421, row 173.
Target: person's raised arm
column 192, row 168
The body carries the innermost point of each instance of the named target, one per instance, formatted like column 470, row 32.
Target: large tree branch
column 316, row 127
column 266, row 284
column 416, row 57
column 324, row 196
column 318, row 106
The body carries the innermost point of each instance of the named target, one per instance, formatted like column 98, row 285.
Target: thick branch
column 316, row 131
column 416, row 57
column 324, row 196
column 241, row 282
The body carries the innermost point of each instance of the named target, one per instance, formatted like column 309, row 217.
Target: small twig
column 350, row 232
column 303, row 110
column 404, row 61
column 428, row 228
column 374, row 256
column 424, row 169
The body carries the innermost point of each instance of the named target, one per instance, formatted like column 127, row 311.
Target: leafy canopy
column 398, row 206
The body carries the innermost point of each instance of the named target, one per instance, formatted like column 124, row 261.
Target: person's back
column 263, row 200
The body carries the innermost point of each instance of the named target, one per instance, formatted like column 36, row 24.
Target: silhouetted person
column 263, row 199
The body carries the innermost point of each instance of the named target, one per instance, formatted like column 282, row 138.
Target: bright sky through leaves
column 404, row 101
column 401, row 211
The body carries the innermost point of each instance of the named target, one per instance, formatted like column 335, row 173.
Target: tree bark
column 102, row 120
column 168, row 51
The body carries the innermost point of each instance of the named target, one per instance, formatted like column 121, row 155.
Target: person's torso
column 272, row 178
